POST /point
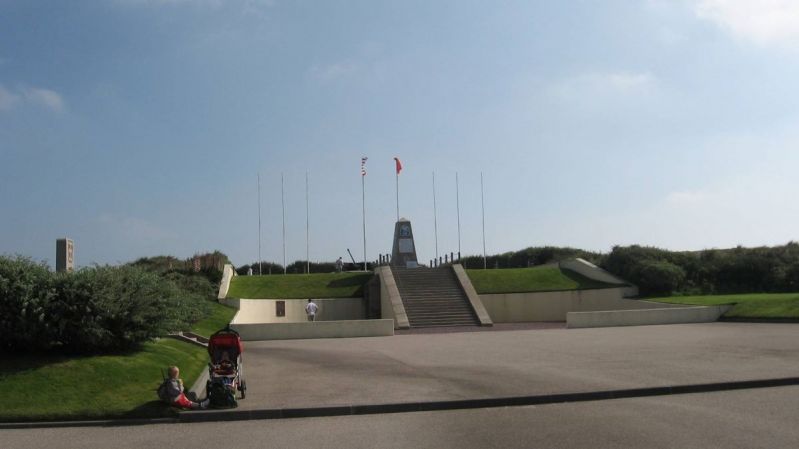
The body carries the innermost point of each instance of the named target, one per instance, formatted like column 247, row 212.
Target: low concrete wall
column 591, row 271
column 553, row 306
column 390, row 301
column 227, row 274
column 672, row 315
column 265, row 310
column 472, row 296
column 319, row 329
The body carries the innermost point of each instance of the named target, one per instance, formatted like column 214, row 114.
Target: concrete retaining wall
column 227, row 275
column 391, row 306
column 553, row 306
column 319, row 329
column 672, row 315
column 471, row 294
column 265, row 310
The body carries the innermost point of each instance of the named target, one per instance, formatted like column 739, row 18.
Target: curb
column 512, row 401
column 198, row 388
column 95, row 423
column 404, row 407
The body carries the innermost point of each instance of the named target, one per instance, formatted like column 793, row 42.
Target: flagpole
column 260, row 266
column 363, row 206
column 435, row 217
column 458, row 207
column 482, row 207
column 307, row 229
column 283, row 204
column 396, row 174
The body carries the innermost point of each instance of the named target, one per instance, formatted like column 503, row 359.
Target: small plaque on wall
column 280, row 308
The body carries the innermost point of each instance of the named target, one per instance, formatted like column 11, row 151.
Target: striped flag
column 363, row 165
column 399, row 164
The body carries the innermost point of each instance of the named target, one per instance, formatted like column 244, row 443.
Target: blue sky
column 139, row 127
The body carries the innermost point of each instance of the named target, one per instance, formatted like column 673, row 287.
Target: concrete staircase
column 433, row 297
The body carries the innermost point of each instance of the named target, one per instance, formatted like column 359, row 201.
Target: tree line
column 659, row 271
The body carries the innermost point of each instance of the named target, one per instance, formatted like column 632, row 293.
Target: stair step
column 433, row 297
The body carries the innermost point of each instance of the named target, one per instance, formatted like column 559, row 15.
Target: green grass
column 756, row 306
column 51, row 387
column 288, row 286
column 535, row 279
column 220, row 316
column 55, row 387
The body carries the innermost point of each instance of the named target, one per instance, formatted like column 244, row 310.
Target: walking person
column 339, row 265
column 310, row 309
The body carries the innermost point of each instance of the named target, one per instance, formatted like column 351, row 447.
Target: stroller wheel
column 243, row 389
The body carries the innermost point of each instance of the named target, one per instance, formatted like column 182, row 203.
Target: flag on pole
column 399, row 165
column 363, row 165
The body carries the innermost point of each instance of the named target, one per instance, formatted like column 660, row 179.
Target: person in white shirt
column 339, row 265
column 310, row 309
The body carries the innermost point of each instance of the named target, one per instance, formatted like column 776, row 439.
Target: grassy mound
column 535, row 279
column 52, row 387
column 288, row 286
column 56, row 387
column 755, row 306
column 219, row 317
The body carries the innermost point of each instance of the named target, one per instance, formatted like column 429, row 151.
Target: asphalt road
column 758, row 418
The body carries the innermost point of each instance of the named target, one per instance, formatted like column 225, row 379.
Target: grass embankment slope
column 299, row 286
column 219, row 317
column 775, row 306
column 55, row 387
column 345, row 285
column 535, row 279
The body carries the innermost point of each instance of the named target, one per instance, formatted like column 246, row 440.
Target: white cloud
column 627, row 82
column 8, row 99
column 688, row 198
column 44, row 97
column 37, row 96
column 248, row 5
column 762, row 21
column 332, row 72
column 604, row 84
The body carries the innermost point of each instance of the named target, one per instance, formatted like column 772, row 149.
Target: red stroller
column 225, row 369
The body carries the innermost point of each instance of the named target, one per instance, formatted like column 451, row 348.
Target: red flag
column 399, row 165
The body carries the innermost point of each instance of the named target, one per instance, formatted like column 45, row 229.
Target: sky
column 140, row 127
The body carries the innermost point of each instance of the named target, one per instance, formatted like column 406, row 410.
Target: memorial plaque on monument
column 404, row 250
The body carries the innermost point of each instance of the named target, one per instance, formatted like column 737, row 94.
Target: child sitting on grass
column 172, row 392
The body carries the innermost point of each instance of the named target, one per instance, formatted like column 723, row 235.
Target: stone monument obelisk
column 64, row 255
column 404, row 253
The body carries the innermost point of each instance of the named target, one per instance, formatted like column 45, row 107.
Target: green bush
column 659, row 277
column 527, row 257
column 25, row 291
column 97, row 309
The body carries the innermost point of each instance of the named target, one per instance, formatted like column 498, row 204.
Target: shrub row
column 529, row 257
column 737, row 270
column 661, row 272
column 298, row 267
column 92, row 310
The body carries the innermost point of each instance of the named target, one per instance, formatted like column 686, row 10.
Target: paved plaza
column 475, row 365
column 471, row 365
